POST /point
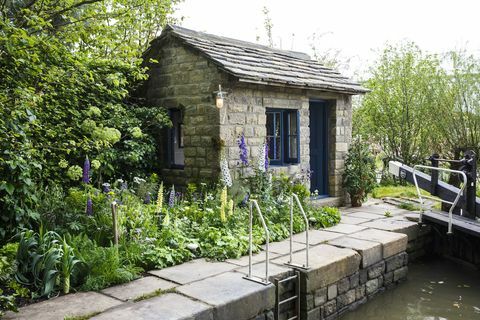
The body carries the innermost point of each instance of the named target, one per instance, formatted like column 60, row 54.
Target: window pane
column 270, row 124
column 277, row 124
column 292, row 147
column 292, row 122
column 278, row 149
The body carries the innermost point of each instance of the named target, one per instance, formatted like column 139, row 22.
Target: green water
column 436, row 289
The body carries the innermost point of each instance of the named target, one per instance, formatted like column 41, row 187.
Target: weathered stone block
column 400, row 274
column 371, row 252
column 363, row 273
column 320, row 297
column 229, row 293
column 395, row 262
column 376, row 270
column 392, row 243
column 136, row 289
column 313, row 314
column 345, row 299
column 360, row 292
column 329, row 308
column 343, row 285
column 354, row 280
column 409, row 228
column 371, row 286
column 332, row 291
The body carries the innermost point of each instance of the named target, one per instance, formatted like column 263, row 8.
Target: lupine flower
column 89, row 207
column 86, row 171
column 223, row 204
column 147, row 199
column 243, row 150
column 171, row 199
column 124, row 186
column 106, row 187
column 159, row 205
column 230, row 207
column 226, row 178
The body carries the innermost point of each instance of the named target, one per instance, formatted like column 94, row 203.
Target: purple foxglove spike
column 266, row 156
column 86, row 171
column 89, row 207
column 171, row 199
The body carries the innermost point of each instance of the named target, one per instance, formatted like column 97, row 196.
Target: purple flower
column 147, row 199
column 245, row 200
column 243, row 150
column 106, row 187
column 86, row 171
column 89, row 207
column 266, row 156
column 124, row 186
column 171, row 199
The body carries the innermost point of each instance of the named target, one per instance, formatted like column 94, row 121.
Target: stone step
column 392, row 243
column 138, row 288
column 371, row 252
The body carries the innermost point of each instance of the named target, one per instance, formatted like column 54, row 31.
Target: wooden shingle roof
column 254, row 63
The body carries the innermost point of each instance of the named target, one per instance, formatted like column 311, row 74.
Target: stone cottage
column 300, row 107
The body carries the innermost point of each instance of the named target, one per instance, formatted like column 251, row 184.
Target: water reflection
column 436, row 289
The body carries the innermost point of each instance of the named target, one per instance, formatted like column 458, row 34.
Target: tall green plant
column 359, row 175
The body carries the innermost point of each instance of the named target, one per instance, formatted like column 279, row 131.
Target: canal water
column 436, row 289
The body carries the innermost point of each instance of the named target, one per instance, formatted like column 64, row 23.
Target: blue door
column 319, row 147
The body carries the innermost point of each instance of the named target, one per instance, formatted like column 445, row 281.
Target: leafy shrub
column 10, row 290
column 324, row 217
column 359, row 176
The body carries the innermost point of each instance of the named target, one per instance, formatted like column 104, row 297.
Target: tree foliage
column 66, row 72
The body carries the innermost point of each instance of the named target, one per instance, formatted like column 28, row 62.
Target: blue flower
column 147, row 199
column 106, row 187
column 266, row 156
column 171, row 199
column 243, row 150
column 89, row 207
column 86, row 171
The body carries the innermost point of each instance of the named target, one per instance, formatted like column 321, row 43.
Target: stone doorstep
column 392, row 243
column 169, row 306
column 232, row 296
column 411, row 229
column 75, row 304
column 346, row 228
column 316, row 237
column 138, row 288
column 193, row 271
column 371, row 252
column 328, row 264
column 256, row 258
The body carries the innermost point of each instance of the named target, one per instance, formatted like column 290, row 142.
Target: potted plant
column 359, row 175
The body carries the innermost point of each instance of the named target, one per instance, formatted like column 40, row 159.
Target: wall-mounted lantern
column 219, row 97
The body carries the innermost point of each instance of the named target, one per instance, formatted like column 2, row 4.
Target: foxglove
column 261, row 158
column 89, row 207
column 86, row 171
column 230, row 207
column 266, row 156
column 243, row 150
column 223, row 204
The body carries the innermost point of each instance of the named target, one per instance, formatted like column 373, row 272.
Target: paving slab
column 77, row 304
column 274, row 270
column 365, row 215
column 394, row 225
column 352, row 220
column 283, row 247
column 138, row 288
column 256, row 258
column 193, row 271
column 169, row 306
column 232, row 296
column 316, row 236
column 392, row 242
column 346, row 228
column 328, row 264
column 371, row 252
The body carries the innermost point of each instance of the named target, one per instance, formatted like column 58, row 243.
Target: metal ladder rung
column 293, row 318
column 287, row 300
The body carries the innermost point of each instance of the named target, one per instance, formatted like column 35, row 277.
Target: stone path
column 203, row 290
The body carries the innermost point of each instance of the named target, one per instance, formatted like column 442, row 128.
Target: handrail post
column 305, row 266
column 267, row 238
column 452, row 204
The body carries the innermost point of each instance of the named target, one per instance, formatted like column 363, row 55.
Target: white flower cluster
column 226, row 178
column 261, row 157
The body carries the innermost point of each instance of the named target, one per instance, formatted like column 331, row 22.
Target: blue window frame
column 283, row 136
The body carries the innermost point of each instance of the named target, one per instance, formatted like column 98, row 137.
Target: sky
column 359, row 29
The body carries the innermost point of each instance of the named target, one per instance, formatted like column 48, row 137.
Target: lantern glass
column 219, row 100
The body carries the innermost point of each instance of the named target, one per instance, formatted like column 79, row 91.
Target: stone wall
column 183, row 79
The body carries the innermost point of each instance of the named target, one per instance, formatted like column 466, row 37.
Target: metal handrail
column 250, row 243
column 453, row 204
column 290, row 262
